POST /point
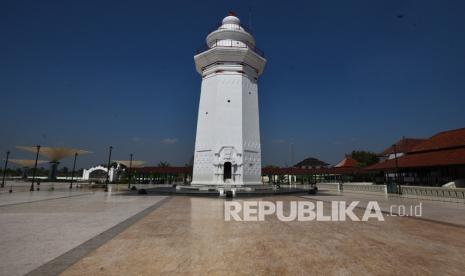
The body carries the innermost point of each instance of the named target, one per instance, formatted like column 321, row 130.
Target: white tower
column 227, row 146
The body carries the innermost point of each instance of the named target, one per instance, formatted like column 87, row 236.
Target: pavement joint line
column 46, row 199
column 389, row 213
column 64, row 261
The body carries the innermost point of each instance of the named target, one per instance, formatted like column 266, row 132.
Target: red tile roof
column 443, row 140
column 442, row 149
column 265, row 170
column 424, row 159
column 347, row 162
column 310, row 171
column 404, row 145
column 173, row 170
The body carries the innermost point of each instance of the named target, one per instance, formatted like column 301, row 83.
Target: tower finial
column 231, row 13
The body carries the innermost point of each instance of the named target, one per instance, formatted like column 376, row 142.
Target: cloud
column 169, row 141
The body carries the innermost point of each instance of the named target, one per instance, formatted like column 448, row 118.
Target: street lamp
column 4, row 168
column 130, row 171
column 397, row 168
column 35, row 169
column 108, row 169
column 72, row 173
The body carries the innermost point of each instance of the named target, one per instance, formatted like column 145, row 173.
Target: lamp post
column 397, row 168
column 108, row 169
column 130, row 171
column 72, row 173
column 35, row 169
column 4, row 168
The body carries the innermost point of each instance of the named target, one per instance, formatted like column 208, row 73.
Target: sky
column 340, row 75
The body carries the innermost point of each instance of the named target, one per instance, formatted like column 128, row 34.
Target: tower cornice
column 228, row 54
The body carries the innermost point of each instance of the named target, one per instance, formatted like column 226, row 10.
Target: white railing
column 434, row 193
column 328, row 186
column 417, row 192
column 354, row 187
column 364, row 188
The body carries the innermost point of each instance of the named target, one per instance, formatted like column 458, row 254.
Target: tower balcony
column 229, row 52
column 229, row 43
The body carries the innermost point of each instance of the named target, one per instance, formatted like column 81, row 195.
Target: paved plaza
column 437, row 211
column 40, row 226
column 94, row 233
column 189, row 235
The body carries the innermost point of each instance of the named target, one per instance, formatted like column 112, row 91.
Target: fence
column 364, row 188
column 417, row 192
column 434, row 193
column 328, row 186
column 353, row 187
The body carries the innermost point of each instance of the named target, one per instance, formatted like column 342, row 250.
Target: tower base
column 202, row 184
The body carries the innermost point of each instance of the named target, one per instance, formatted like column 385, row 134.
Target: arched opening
column 98, row 175
column 227, row 173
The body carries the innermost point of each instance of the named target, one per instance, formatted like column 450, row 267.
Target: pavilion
column 432, row 162
column 54, row 155
column 312, row 170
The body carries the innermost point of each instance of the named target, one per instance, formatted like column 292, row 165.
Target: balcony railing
column 227, row 43
column 230, row 27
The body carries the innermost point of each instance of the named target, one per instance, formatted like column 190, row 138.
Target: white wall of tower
column 228, row 129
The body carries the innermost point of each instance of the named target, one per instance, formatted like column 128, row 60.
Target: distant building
column 347, row 162
column 311, row 163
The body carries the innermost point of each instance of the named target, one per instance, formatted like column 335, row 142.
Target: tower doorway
column 227, row 173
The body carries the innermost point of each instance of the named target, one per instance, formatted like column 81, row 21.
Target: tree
column 18, row 171
column 364, row 158
column 163, row 164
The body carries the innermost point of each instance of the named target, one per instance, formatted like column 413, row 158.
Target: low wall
column 353, row 187
column 418, row 192
column 328, row 186
column 434, row 193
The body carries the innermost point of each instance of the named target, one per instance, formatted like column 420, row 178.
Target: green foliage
column 12, row 172
column 163, row 164
column 40, row 171
column 364, row 158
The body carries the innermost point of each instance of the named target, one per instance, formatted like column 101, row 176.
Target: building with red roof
column 425, row 162
column 401, row 147
column 432, row 162
column 347, row 162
